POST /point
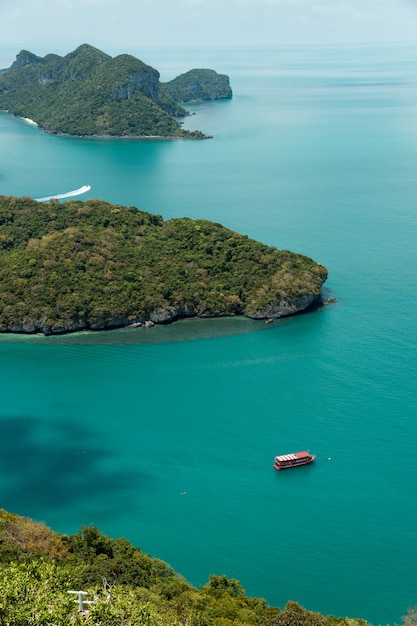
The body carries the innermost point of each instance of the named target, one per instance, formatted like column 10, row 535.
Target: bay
column 167, row 436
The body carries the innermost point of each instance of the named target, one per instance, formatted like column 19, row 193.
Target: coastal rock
column 163, row 317
column 283, row 308
column 36, row 326
column 106, row 323
column 170, row 315
column 160, row 316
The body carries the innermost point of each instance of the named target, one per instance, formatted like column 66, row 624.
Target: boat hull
column 295, row 459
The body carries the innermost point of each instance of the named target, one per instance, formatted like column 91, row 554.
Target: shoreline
column 29, row 121
column 184, row 330
column 138, row 137
column 34, row 327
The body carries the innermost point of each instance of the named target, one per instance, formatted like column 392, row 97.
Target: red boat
column 293, row 460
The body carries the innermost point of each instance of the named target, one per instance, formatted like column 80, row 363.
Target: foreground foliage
column 89, row 93
column 124, row 586
column 95, row 265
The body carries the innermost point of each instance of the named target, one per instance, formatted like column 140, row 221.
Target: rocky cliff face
column 25, row 58
column 160, row 316
column 284, row 308
column 142, row 79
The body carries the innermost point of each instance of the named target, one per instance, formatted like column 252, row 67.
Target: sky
column 44, row 26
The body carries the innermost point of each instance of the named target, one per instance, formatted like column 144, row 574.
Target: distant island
column 88, row 93
column 93, row 265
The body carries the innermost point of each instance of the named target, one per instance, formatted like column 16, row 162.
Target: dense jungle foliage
column 124, row 586
column 91, row 264
column 89, row 93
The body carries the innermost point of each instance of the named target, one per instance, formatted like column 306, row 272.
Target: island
column 88, row 93
column 199, row 86
column 94, row 265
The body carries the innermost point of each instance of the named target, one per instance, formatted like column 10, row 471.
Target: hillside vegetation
column 89, row 93
column 95, row 265
column 125, row 587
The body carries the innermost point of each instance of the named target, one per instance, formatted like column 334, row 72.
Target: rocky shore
column 163, row 316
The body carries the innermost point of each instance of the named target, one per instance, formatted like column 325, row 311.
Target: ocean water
column 167, row 436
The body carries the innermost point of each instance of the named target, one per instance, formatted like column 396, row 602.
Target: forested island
column 88, row 93
column 93, row 265
column 122, row 585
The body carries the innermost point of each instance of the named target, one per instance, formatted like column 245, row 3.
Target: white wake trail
column 67, row 194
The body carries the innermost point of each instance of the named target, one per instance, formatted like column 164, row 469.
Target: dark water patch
column 57, row 465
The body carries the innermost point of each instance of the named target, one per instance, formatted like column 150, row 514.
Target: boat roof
column 292, row 457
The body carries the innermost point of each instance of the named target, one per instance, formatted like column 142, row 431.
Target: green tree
column 222, row 583
column 36, row 593
column 411, row 618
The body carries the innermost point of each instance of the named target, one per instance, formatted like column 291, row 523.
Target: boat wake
column 67, row 194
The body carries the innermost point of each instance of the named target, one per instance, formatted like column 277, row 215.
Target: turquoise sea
column 167, row 436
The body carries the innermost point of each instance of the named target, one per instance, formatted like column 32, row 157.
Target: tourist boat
column 293, row 460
